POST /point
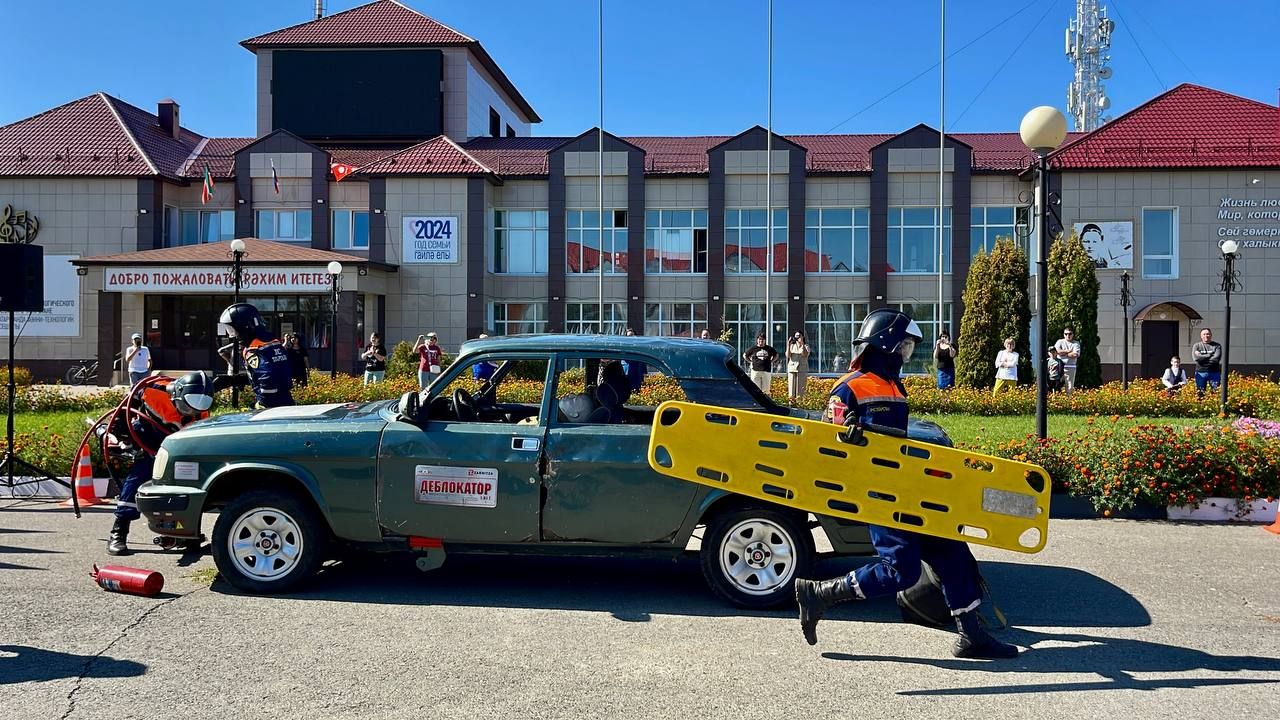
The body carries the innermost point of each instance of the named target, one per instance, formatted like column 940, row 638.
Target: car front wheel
column 752, row 557
column 268, row 541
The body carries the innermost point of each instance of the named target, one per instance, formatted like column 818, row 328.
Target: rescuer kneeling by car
column 872, row 395
column 154, row 409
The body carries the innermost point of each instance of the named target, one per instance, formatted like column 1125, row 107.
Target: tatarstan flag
column 206, row 190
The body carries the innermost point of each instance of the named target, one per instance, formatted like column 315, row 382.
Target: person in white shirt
column 1174, row 377
column 1006, row 368
column 138, row 359
column 1068, row 351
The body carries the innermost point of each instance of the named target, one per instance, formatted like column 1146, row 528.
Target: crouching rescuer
column 267, row 367
column 153, row 409
column 872, row 396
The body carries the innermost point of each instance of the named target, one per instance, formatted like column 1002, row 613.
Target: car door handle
column 526, row 444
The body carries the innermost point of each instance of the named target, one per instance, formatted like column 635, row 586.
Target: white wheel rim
column 757, row 557
column 265, row 544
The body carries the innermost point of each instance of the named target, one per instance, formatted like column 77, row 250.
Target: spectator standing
column 944, row 355
column 760, row 359
column 375, row 360
column 483, row 370
column 1068, row 351
column 298, row 364
column 1208, row 356
column 840, row 364
column 1055, row 367
column 429, row 358
column 1006, row 368
column 138, row 359
column 1175, row 376
column 798, row 352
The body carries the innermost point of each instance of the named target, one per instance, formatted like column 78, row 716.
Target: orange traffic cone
column 82, row 480
column 1274, row 527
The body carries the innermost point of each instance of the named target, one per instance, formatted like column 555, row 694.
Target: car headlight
column 161, row 464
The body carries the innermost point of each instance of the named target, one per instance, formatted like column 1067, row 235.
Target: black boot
column 815, row 597
column 118, row 541
column 976, row 642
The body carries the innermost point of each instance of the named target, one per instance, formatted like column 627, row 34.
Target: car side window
column 493, row 389
column 611, row 391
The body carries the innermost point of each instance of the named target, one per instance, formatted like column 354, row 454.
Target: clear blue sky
column 671, row 66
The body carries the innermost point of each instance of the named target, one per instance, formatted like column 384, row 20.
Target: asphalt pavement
column 1120, row 618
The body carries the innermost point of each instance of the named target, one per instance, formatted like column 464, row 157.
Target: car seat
column 582, row 408
column 613, row 392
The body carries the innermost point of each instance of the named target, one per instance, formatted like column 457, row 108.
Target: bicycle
column 83, row 373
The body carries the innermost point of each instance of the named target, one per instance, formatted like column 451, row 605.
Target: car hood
column 922, row 430
column 313, row 417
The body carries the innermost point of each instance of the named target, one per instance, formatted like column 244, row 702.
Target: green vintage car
column 526, row 444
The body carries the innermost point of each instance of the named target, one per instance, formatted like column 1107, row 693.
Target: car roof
column 684, row 357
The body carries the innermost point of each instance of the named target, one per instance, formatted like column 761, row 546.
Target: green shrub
column 21, row 376
column 403, row 361
column 996, row 306
column 1073, row 303
column 1156, row 465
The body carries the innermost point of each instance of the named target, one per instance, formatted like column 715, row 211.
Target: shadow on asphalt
column 1115, row 659
column 19, row 664
column 634, row 589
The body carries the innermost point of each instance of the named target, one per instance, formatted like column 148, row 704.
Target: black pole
column 12, row 394
column 1228, row 281
column 1124, row 307
column 333, row 330
column 1042, row 292
column 235, row 353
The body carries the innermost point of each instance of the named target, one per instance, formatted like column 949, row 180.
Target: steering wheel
column 463, row 406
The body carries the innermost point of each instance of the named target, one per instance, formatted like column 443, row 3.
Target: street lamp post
column 237, row 277
column 1230, row 282
column 1126, row 299
column 335, row 273
column 1042, row 130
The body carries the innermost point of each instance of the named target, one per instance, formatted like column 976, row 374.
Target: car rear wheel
column 752, row 556
column 268, row 541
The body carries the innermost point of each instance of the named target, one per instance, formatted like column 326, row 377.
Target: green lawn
column 971, row 428
column 57, row 432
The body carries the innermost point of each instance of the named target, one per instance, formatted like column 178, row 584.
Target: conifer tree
column 996, row 306
column 1073, row 303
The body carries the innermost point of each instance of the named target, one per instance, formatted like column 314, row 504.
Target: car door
column 463, row 481
column 599, row 487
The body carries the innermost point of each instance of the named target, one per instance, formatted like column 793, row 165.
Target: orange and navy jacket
column 148, row 416
column 872, row 400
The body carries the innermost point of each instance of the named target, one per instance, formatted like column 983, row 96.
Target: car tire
column 269, row 541
column 752, row 556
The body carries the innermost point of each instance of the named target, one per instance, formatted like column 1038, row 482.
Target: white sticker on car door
column 459, row 486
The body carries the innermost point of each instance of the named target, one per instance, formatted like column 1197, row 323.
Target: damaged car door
column 467, row 469
column 599, row 487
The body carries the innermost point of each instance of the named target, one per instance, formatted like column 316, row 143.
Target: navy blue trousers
column 126, row 508
column 898, row 567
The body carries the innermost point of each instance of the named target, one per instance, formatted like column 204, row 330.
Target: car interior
column 589, row 391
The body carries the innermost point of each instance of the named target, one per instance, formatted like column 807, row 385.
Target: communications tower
column 1088, row 42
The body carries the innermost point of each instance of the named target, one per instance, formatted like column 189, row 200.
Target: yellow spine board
column 888, row 481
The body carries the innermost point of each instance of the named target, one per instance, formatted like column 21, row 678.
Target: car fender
column 294, row 472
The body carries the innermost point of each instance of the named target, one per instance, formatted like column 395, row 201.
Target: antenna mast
column 1088, row 42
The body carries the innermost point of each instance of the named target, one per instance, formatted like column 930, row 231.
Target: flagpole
column 600, row 176
column 942, row 144
column 768, row 189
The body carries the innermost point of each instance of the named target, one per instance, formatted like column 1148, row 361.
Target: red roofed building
column 455, row 218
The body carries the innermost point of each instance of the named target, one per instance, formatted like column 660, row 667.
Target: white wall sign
column 1110, row 244
column 430, row 240
column 61, row 316
column 179, row 279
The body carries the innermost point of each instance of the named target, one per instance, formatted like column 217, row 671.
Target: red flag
column 340, row 171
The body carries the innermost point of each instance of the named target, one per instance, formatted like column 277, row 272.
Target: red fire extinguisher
column 118, row 578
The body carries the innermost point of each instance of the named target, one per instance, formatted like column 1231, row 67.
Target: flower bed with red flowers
column 1118, row 468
